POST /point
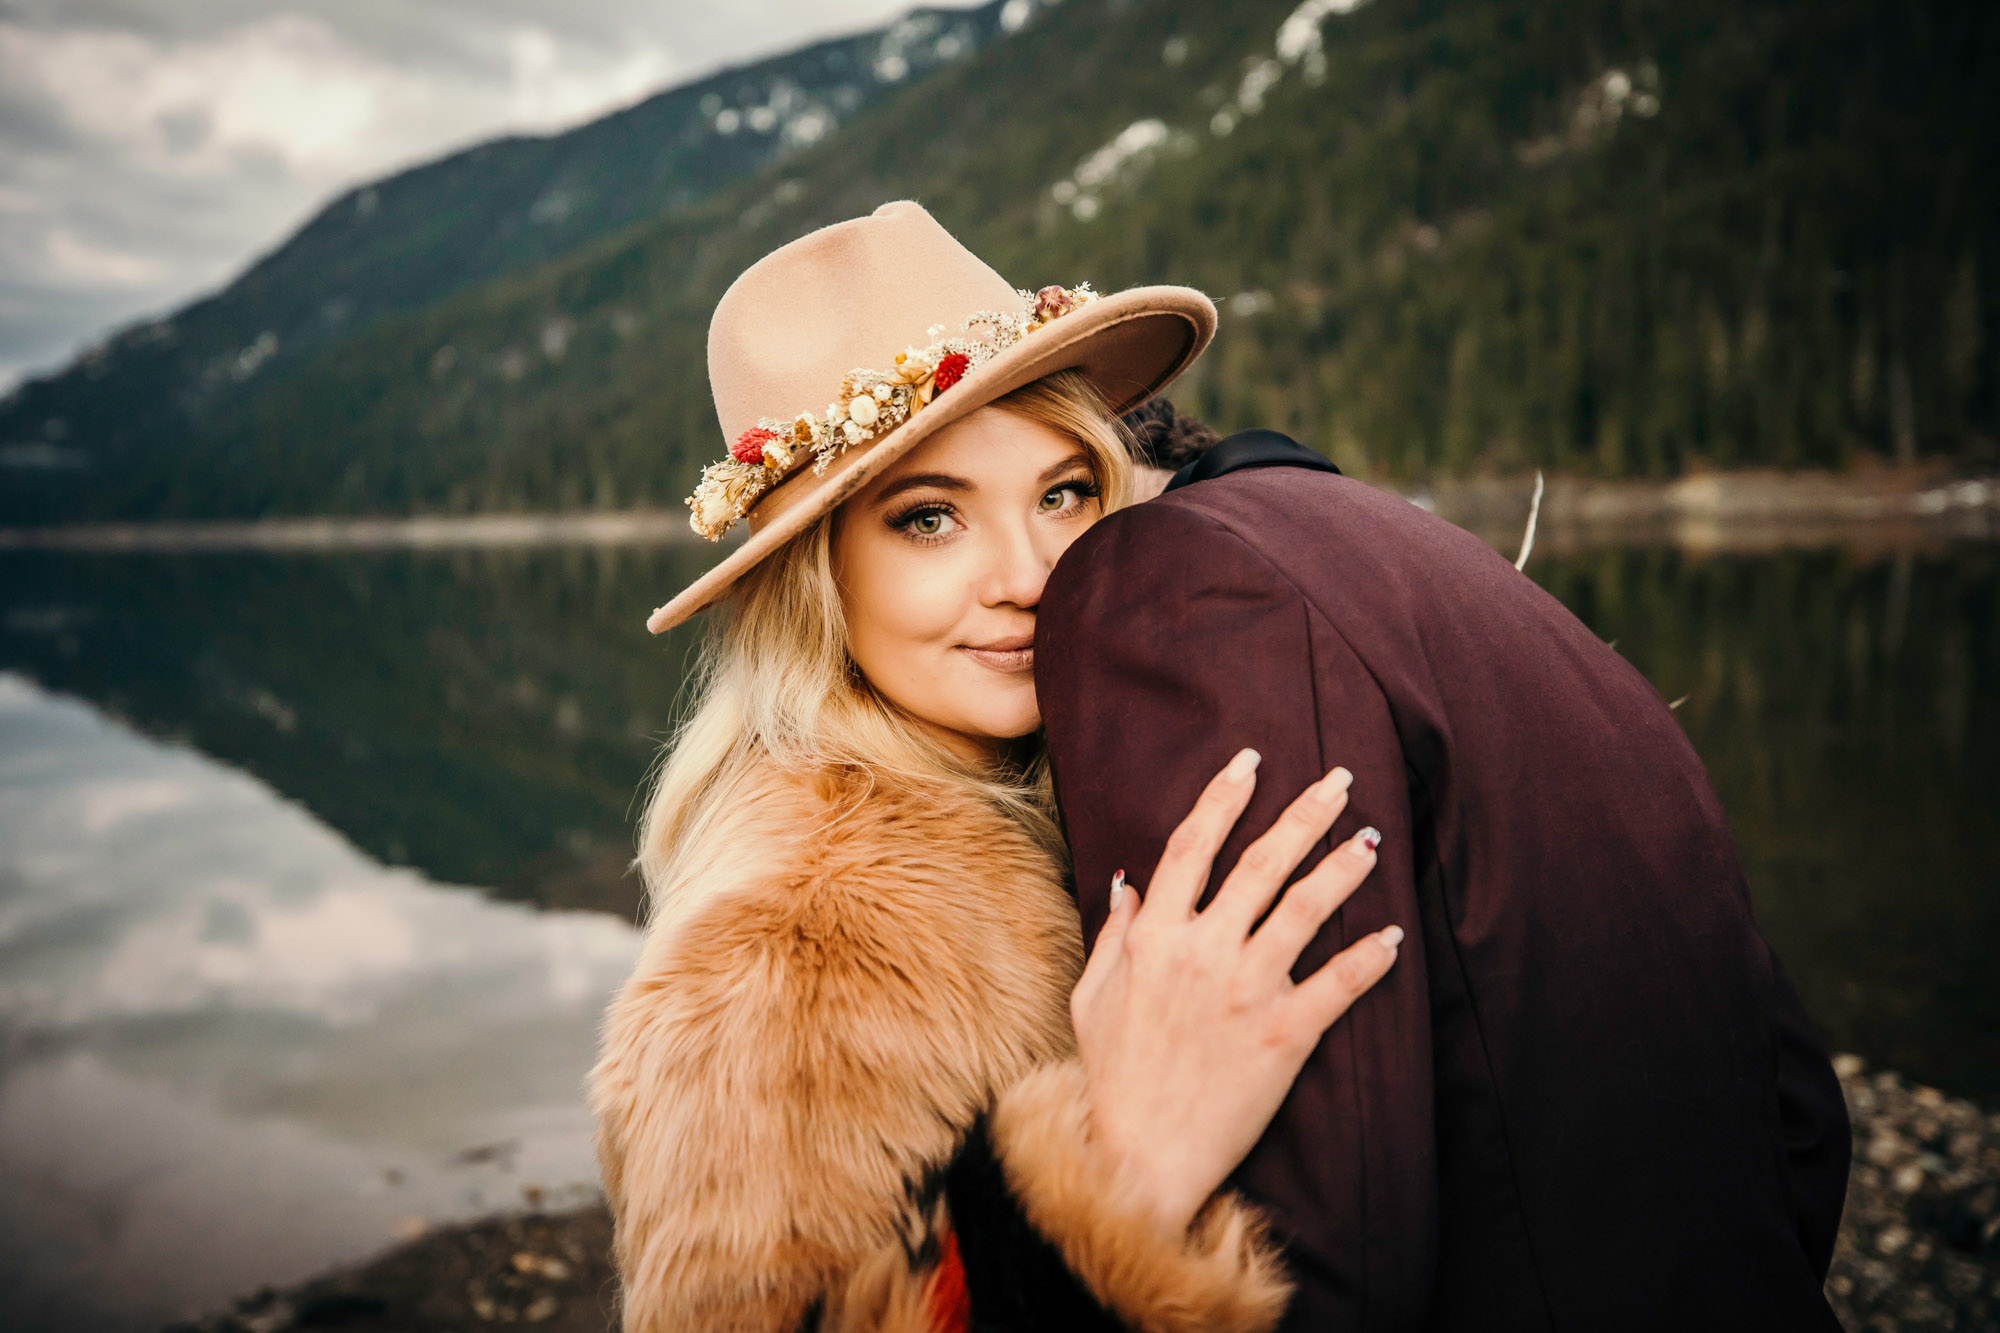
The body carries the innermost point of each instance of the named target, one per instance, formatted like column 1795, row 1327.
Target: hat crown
column 789, row 330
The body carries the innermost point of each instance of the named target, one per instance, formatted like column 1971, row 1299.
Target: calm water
column 250, row 1028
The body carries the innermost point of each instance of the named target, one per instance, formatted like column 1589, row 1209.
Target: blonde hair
column 776, row 684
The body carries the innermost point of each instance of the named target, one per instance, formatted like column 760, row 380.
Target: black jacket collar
column 1249, row 448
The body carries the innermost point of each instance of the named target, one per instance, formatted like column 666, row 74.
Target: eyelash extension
column 900, row 520
column 1084, row 485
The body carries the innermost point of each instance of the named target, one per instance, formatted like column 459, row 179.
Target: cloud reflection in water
column 236, row 1050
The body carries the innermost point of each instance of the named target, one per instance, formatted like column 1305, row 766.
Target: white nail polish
column 1391, row 936
column 1244, row 764
column 1117, row 888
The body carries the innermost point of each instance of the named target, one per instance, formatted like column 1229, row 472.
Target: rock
column 1919, row 1245
column 550, row 1271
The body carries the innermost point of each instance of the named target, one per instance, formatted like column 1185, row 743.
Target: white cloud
column 92, row 265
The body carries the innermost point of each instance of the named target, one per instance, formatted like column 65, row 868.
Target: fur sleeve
column 760, row 1138
column 782, row 1082
column 1223, row 1275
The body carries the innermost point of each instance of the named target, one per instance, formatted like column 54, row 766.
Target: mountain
column 147, row 395
column 1618, row 237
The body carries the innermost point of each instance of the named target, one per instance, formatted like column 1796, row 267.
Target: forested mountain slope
column 148, row 395
column 1612, row 236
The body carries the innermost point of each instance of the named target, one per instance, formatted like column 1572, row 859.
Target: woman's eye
column 1068, row 494
column 928, row 522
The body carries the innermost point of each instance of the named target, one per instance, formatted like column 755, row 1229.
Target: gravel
column 1920, row 1241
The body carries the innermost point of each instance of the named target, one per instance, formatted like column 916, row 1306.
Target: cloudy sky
column 148, row 150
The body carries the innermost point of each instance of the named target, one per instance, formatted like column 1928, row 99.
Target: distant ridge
column 414, row 237
column 1609, row 238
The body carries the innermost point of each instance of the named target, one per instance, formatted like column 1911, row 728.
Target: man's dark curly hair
column 1166, row 439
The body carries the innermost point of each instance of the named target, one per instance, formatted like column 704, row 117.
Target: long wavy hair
column 776, row 684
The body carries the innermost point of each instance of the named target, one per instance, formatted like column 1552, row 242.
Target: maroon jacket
column 1584, row 1098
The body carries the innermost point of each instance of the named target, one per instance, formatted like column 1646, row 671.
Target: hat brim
column 1130, row 345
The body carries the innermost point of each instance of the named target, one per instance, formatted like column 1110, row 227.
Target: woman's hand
column 1190, row 1028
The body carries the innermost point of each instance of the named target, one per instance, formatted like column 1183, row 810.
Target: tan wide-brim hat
column 790, row 330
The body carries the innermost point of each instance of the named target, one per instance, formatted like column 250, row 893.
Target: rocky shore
column 1920, row 1240
column 1919, row 1245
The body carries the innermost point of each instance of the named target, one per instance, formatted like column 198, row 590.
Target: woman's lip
column 1003, row 659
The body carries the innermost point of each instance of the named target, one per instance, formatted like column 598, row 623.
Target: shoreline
column 1919, row 1244
column 1743, row 512
column 1748, row 510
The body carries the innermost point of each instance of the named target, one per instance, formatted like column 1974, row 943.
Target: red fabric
column 951, row 1307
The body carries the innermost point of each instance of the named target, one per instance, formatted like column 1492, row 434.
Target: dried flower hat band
column 871, row 403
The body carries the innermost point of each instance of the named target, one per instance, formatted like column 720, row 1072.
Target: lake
column 312, row 866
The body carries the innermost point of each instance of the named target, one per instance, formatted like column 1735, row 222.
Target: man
column 1587, row 1100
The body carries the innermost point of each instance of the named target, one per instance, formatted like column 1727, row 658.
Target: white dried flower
column 862, row 410
column 855, row 433
column 714, row 511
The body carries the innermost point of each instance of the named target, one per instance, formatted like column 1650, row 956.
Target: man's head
column 1166, row 441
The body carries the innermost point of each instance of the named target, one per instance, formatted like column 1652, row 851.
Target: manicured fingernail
column 1370, row 837
column 1338, row 780
column 1117, row 888
column 1243, row 765
column 1391, row 936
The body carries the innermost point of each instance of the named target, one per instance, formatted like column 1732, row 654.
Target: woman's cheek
column 914, row 617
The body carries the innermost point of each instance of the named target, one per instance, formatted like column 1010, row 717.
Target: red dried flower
column 749, row 446
column 950, row 370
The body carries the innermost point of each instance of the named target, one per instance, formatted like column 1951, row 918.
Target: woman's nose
column 1017, row 570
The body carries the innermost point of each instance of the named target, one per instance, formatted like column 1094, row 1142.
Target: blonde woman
column 860, row 1078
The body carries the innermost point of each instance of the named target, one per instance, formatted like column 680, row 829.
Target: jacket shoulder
column 1149, row 558
column 1263, row 508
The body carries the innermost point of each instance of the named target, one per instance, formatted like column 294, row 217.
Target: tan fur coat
column 814, row 1025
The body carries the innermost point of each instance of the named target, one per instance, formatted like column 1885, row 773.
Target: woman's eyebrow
column 1075, row 460
column 942, row 481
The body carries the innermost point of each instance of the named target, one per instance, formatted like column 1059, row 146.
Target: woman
column 859, row 1078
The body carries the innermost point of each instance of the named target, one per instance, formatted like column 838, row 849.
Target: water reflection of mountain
column 485, row 716
column 489, row 716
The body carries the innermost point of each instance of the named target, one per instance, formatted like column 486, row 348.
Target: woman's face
column 941, row 562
